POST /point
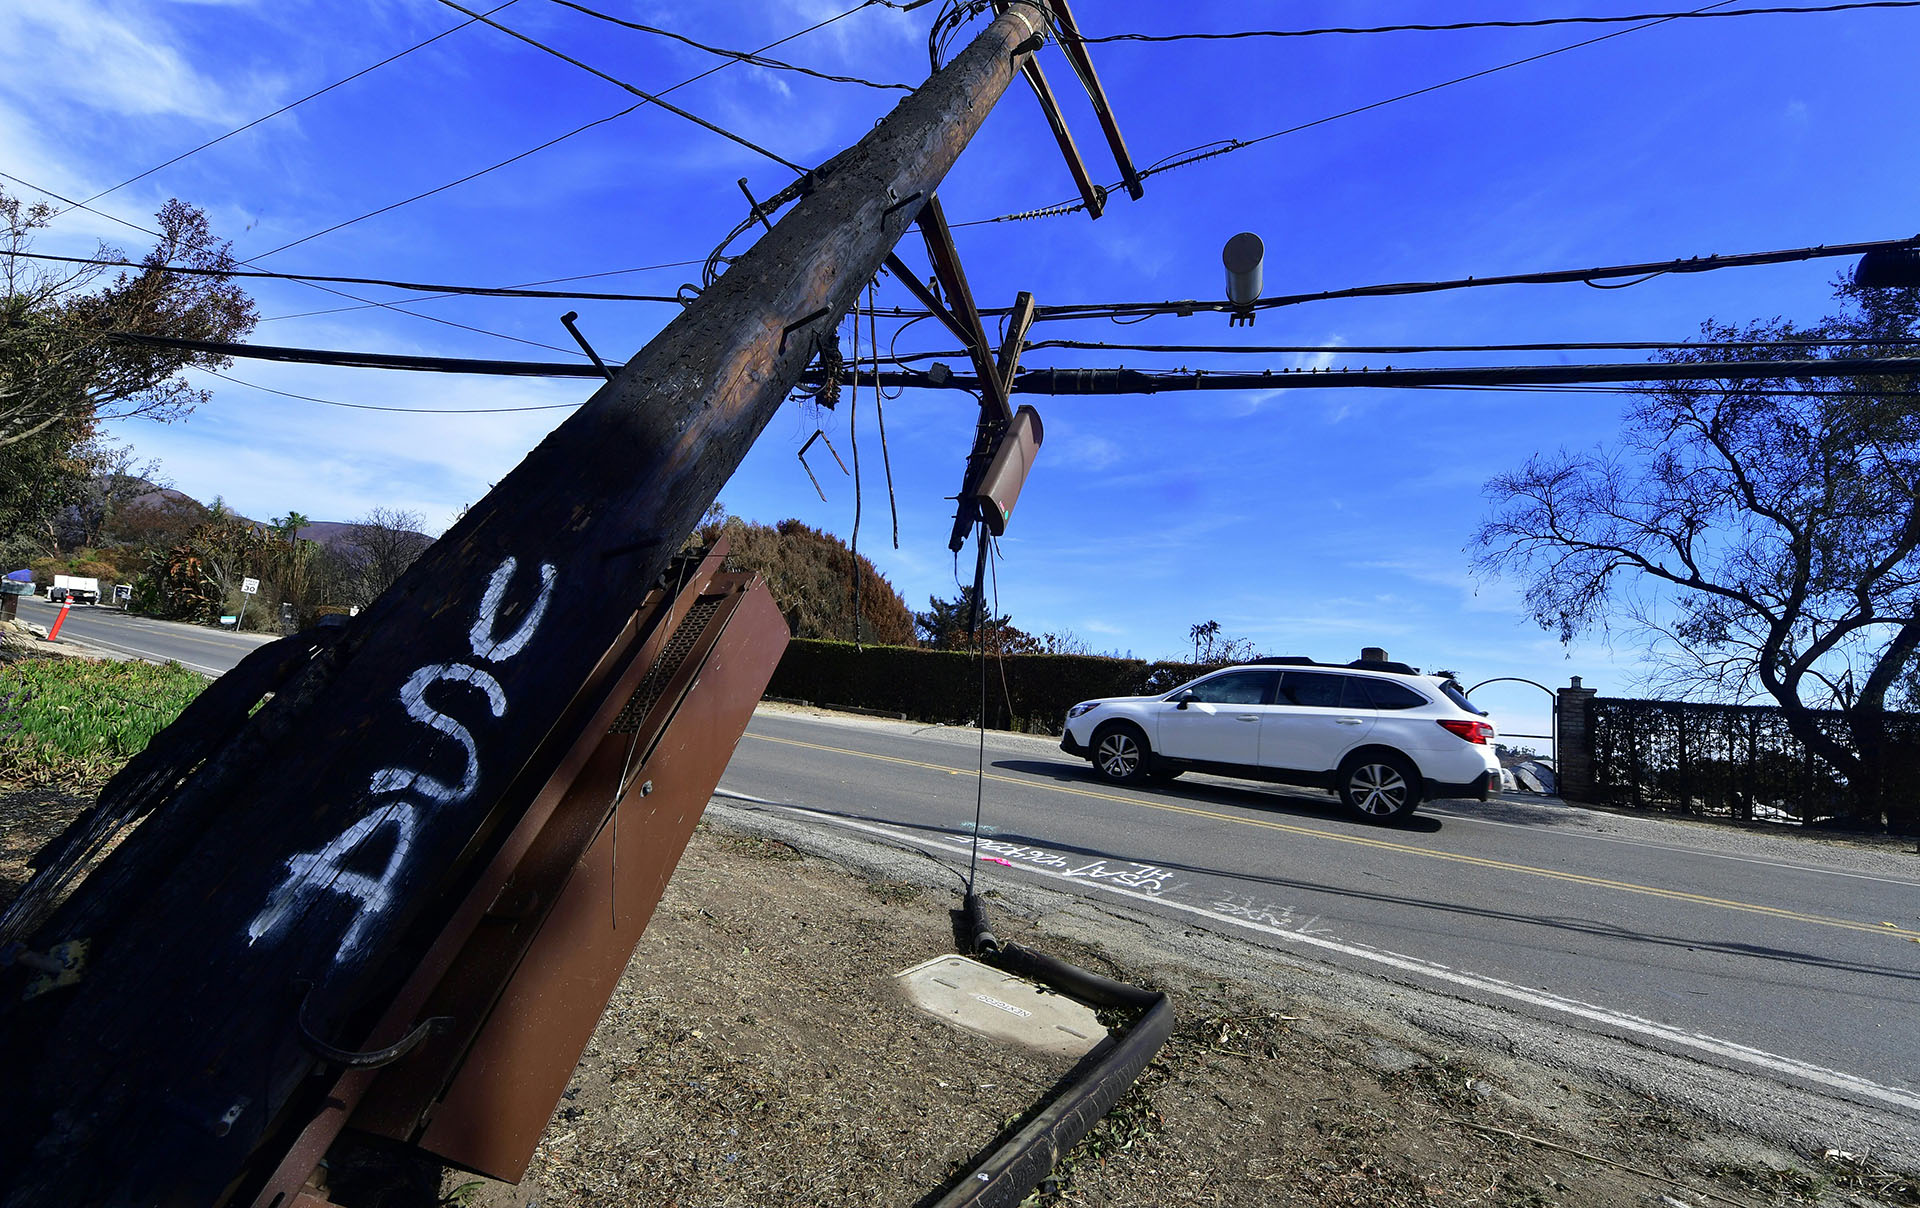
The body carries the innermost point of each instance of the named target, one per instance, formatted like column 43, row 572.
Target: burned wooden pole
column 264, row 913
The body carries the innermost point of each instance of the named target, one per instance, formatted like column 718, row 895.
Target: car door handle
column 1248, row 717
column 1348, row 721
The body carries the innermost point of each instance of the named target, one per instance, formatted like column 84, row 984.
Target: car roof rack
column 1384, row 665
column 1301, row 660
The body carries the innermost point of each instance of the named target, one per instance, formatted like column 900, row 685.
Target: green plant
column 76, row 719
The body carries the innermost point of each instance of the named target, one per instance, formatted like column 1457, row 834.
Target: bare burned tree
column 376, row 550
column 1761, row 537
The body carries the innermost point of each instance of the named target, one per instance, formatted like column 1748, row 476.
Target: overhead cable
column 1399, row 349
column 72, row 204
column 1608, row 390
column 651, row 97
column 1204, row 151
column 291, row 104
column 1534, row 23
column 616, row 272
column 329, row 402
column 580, row 129
column 445, row 291
column 424, row 194
column 1692, row 264
column 1186, row 307
column 370, row 360
column 1133, row 381
column 751, row 58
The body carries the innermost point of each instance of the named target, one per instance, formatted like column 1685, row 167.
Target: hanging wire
column 980, row 723
column 853, row 447
column 880, row 410
column 1000, row 649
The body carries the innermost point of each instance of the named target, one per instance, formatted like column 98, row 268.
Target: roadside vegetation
column 73, row 722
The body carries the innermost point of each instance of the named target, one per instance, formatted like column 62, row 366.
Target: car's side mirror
column 1186, row 698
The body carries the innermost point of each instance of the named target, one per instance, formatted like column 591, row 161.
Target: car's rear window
column 1460, row 698
column 1387, row 694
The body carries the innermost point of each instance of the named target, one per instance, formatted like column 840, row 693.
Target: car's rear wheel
column 1120, row 753
column 1380, row 786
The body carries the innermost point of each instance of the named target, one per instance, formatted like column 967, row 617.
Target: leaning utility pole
column 273, row 899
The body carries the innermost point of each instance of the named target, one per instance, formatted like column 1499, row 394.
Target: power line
column 340, row 358
column 1693, row 264
column 291, row 104
column 1399, row 349
column 1188, row 307
column 614, row 272
column 911, row 358
column 1536, row 23
column 72, row 204
column 1204, row 151
column 444, row 291
column 752, row 58
column 645, row 96
column 580, row 129
column 421, row 196
column 1133, row 381
column 1608, row 390
column 328, row 402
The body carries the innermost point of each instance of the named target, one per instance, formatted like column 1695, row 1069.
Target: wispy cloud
column 102, row 57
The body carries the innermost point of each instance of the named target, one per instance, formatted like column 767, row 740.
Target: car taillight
column 1477, row 732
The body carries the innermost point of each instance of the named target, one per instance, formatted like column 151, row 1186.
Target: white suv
column 1380, row 734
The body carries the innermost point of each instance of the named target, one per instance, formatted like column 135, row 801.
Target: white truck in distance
column 74, row 589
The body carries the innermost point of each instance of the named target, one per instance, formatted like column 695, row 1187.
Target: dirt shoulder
column 757, row 1052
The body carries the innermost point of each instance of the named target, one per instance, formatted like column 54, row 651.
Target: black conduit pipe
column 1013, row 1170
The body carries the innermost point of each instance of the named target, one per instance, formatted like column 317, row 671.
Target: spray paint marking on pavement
column 1699, row 1042
column 1147, row 878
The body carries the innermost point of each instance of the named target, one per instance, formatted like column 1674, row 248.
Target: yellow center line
column 1387, row 845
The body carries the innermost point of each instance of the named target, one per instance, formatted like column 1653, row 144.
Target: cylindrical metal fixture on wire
column 1888, row 268
column 1243, row 256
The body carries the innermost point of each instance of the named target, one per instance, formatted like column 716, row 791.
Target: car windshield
column 1458, row 697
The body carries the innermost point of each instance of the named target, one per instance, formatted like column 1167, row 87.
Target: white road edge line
column 1731, row 1051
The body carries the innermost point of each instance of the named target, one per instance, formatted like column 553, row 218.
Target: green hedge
column 1028, row 692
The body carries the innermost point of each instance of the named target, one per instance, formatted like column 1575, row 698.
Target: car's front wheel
column 1380, row 786
column 1120, row 753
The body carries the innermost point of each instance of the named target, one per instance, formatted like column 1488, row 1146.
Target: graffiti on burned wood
column 325, row 871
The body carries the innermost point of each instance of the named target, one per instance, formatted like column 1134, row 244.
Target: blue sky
column 1307, row 521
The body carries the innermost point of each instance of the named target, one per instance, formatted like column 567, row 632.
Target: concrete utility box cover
column 1000, row 1005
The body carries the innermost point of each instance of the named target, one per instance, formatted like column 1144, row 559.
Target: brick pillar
column 1573, row 746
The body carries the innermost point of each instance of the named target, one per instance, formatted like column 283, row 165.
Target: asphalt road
column 1795, row 959
column 209, row 651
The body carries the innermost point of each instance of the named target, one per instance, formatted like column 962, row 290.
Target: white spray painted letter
column 413, row 696
column 314, row 872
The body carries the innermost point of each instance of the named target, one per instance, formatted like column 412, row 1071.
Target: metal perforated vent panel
column 647, row 695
